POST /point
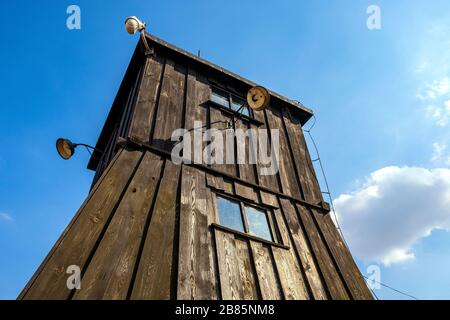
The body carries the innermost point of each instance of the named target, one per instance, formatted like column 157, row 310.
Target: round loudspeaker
column 258, row 98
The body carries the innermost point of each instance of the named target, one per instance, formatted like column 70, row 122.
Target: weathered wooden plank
column 153, row 277
column 110, row 271
column 196, row 273
column 247, row 275
column 330, row 274
column 147, row 97
column 301, row 246
column 269, row 199
column 246, row 170
column 230, row 277
column 50, row 254
column 268, row 181
column 265, row 271
column 289, row 183
column 219, row 122
column 197, row 94
column 245, row 191
column 77, row 243
column 291, row 278
column 170, row 106
column 347, row 266
column 303, row 163
column 214, row 181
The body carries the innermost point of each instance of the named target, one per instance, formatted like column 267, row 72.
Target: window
column 257, row 223
column 229, row 101
column 244, row 218
column 230, row 214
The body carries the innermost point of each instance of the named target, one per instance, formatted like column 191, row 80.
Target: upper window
column 229, row 101
column 244, row 218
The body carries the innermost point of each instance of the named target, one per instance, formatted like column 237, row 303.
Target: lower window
column 245, row 218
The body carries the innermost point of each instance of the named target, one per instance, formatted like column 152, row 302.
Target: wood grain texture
column 218, row 121
column 246, row 168
column 291, row 279
column 147, row 98
column 265, row 271
column 300, row 244
column 170, row 106
column 153, row 278
column 245, row 192
column 196, row 271
column 332, row 278
column 247, row 275
column 197, row 95
column 268, row 181
column 346, row 264
column 69, row 226
column 303, row 163
column 110, row 271
column 289, row 182
column 229, row 273
column 78, row 242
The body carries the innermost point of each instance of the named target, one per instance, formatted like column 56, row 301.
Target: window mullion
column 244, row 217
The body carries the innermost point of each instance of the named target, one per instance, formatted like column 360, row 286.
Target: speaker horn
column 258, row 98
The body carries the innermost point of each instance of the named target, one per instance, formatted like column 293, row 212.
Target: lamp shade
column 258, row 98
column 65, row 148
column 133, row 24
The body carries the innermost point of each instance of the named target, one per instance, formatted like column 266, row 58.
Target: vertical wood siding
column 147, row 229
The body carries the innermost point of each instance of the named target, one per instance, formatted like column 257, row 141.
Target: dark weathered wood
column 109, row 273
column 153, row 278
column 196, row 273
column 197, row 95
column 268, row 181
column 66, row 230
column 247, row 275
column 147, row 98
column 286, row 167
column 77, row 243
column 246, row 169
column 245, row 192
column 301, row 246
column 214, row 181
column 334, row 283
column 170, row 106
column 219, row 121
column 266, row 274
column 303, row 163
column 269, row 199
column 347, row 266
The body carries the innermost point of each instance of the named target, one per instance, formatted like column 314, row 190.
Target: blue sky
column 381, row 98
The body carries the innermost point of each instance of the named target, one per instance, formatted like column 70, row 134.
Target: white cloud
column 439, row 88
column 441, row 115
column 437, row 96
column 5, row 216
column 440, row 154
column 394, row 208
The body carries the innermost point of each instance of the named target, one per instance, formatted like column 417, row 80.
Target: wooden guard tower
column 152, row 229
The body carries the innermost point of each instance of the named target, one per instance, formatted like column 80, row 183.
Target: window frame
column 275, row 240
column 229, row 95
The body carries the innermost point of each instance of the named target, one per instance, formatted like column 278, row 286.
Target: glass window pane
column 220, row 97
column 257, row 223
column 230, row 214
column 237, row 103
